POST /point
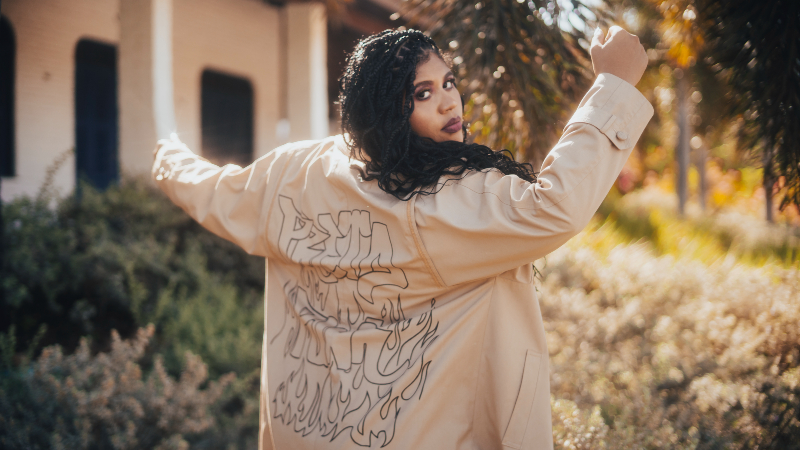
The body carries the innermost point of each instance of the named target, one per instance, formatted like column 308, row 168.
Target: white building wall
column 237, row 37
column 47, row 33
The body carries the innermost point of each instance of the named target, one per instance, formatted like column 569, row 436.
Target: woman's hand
column 173, row 141
column 619, row 53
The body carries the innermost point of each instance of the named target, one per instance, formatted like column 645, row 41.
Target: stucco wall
column 237, row 37
column 46, row 33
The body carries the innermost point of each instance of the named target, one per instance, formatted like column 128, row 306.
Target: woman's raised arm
column 488, row 223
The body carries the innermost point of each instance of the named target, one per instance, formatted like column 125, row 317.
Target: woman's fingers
column 598, row 38
column 174, row 141
column 615, row 29
column 620, row 54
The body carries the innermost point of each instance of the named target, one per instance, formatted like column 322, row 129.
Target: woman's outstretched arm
column 230, row 201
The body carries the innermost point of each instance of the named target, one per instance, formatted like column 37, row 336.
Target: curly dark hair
column 376, row 107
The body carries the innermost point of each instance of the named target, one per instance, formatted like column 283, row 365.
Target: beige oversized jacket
column 406, row 324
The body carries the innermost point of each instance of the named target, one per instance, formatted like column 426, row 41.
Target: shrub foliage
column 686, row 339
column 672, row 353
column 94, row 262
column 117, row 260
column 81, row 401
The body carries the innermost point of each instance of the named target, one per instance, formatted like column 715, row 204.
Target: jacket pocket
column 515, row 432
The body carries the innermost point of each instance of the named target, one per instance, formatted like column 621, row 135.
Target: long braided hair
column 376, row 99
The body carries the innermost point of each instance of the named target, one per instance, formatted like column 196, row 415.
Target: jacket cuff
column 616, row 108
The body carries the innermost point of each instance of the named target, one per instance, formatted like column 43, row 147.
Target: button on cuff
column 622, row 136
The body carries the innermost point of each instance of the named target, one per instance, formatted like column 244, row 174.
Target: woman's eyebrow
column 429, row 82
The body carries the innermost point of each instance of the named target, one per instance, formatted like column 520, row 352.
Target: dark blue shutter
column 7, row 52
column 227, row 118
column 96, row 123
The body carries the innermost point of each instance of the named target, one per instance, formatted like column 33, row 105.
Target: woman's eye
column 449, row 83
column 422, row 95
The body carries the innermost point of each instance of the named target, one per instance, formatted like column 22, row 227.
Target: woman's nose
column 447, row 104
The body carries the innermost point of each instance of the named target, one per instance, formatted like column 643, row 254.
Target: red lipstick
column 453, row 126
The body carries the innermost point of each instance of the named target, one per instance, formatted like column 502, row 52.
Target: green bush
column 94, row 262
column 211, row 322
column 120, row 259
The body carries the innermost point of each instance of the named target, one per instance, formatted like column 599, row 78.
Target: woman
column 400, row 306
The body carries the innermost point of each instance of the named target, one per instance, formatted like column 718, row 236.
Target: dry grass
column 656, row 351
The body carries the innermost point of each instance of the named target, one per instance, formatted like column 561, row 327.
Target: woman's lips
column 453, row 126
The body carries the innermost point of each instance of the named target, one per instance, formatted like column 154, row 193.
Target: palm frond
column 756, row 48
column 523, row 66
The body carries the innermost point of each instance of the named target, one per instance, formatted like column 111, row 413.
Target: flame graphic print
column 354, row 357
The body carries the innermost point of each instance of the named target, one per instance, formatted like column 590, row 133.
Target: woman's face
column 437, row 104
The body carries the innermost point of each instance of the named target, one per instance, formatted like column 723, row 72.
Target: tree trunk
column 684, row 132
column 769, row 178
column 701, row 169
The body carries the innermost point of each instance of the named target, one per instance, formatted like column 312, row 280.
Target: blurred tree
column 523, row 65
column 684, row 40
column 755, row 47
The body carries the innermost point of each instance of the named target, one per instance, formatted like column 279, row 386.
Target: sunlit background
column 672, row 319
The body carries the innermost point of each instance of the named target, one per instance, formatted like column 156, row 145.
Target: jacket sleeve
column 488, row 223
column 230, row 201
